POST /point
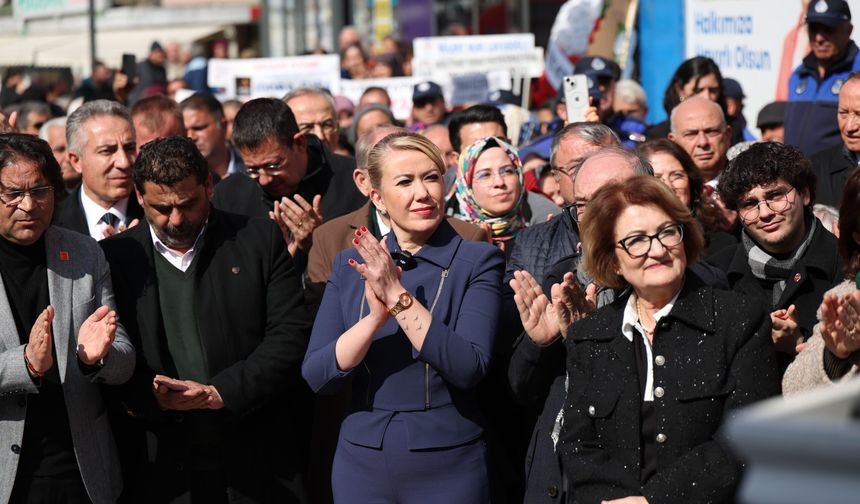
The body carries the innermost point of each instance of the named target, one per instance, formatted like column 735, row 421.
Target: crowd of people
column 302, row 299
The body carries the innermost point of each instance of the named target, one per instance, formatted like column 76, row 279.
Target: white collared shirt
column 178, row 260
column 631, row 322
column 93, row 213
column 383, row 228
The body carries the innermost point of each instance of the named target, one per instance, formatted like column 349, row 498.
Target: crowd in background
column 306, row 299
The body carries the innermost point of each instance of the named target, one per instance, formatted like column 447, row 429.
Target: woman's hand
column 379, row 270
column 840, row 324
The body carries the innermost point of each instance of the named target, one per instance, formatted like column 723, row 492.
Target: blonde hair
column 400, row 141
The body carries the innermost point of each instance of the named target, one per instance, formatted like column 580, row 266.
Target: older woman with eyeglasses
column 654, row 374
column 491, row 192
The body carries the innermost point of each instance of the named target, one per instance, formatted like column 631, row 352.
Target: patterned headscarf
column 502, row 227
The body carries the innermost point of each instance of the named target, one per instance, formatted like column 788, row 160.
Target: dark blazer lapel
column 61, row 266
column 148, row 309
column 207, row 293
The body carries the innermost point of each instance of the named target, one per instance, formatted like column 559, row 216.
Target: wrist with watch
column 404, row 301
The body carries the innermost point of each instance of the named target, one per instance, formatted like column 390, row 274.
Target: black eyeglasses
column 639, row 245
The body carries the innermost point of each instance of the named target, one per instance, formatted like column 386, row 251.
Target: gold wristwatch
column 404, row 301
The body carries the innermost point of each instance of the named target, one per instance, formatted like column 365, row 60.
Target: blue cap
column 828, row 12
column 428, row 89
column 597, row 66
column 539, row 148
column 733, row 89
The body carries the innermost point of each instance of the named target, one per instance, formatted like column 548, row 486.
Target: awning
column 73, row 49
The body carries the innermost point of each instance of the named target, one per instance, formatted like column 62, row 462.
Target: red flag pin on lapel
column 64, row 256
column 796, row 277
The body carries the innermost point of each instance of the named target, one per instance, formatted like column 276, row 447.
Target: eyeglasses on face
column 327, row 126
column 639, row 245
column 270, row 170
column 776, row 199
column 486, row 176
column 14, row 197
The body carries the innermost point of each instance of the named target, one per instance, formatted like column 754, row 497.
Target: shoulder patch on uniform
column 801, row 87
column 837, row 86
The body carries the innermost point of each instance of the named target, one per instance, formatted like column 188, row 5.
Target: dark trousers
column 396, row 474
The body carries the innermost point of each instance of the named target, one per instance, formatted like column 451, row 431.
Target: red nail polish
column 363, row 229
column 355, row 241
column 351, row 261
column 357, row 232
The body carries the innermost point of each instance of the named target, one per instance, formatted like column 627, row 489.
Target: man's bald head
column 698, row 125
column 608, row 164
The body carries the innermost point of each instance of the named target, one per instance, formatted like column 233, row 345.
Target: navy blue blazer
column 432, row 390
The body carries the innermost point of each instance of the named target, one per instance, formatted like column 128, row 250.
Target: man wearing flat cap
column 813, row 88
column 771, row 122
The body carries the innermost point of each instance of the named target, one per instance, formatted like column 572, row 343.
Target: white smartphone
column 576, row 97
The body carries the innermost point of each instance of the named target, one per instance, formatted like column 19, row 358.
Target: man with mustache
column 786, row 258
column 214, row 303
column 102, row 148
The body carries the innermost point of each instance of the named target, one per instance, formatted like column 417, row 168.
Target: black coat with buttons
column 712, row 354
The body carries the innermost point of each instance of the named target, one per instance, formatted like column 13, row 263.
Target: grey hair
column 57, row 122
column 630, row 91
column 694, row 99
column 639, row 164
column 306, row 91
column 26, row 108
column 592, row 133
column 75, row 124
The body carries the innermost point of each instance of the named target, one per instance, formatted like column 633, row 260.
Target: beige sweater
column 807, row 371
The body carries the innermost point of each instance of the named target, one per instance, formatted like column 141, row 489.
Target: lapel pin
column 235, row 270
column 797, row 277
column 64, row 256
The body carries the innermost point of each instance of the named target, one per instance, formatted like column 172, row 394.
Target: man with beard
column 214, row 304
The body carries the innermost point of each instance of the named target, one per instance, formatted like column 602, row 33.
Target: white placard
column 748, row 41
column 247, row 79
column 399, row 90
column 454, row 47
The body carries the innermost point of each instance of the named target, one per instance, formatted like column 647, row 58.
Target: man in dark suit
column 292, row 177
column 833, row 166
column 214, row 303
column 102, row 148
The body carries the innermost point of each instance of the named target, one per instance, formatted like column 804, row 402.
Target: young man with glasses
column 786, row 259
column 291, row 177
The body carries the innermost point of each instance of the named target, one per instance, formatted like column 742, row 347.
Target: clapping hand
column 96, row 335
column 570, row 303
column 185, row 395
column 297, row 220
column 38, row 349
column 786, row 331
column 378, row 270
column 7, row 124
column 543, row 320
column 840, row 323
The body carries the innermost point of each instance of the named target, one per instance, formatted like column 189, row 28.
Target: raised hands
column 840, row 323
column 378, row 269
column 544, row 320
column 297, row 220
column 38, row 349
column 786, row 332
column 7, row 124
column 184, row 395
column 96, row 335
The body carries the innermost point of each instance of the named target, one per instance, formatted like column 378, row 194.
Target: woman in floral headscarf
column 490, row 192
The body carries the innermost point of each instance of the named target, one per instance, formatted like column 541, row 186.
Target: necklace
column 641, row 321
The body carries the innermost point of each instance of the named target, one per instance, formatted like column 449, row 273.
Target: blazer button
column 16, row 449
column 661, row 438
column 664, row 325
column 658, row 392
column 659, row 360
column 552, row 491
column 592, row 411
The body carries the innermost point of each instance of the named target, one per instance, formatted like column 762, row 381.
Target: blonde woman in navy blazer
column 415, row 336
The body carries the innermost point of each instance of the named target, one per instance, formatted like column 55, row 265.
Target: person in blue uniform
column 410, row 319
column 813, row 88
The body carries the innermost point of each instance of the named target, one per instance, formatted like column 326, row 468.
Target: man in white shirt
column 102, row 148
